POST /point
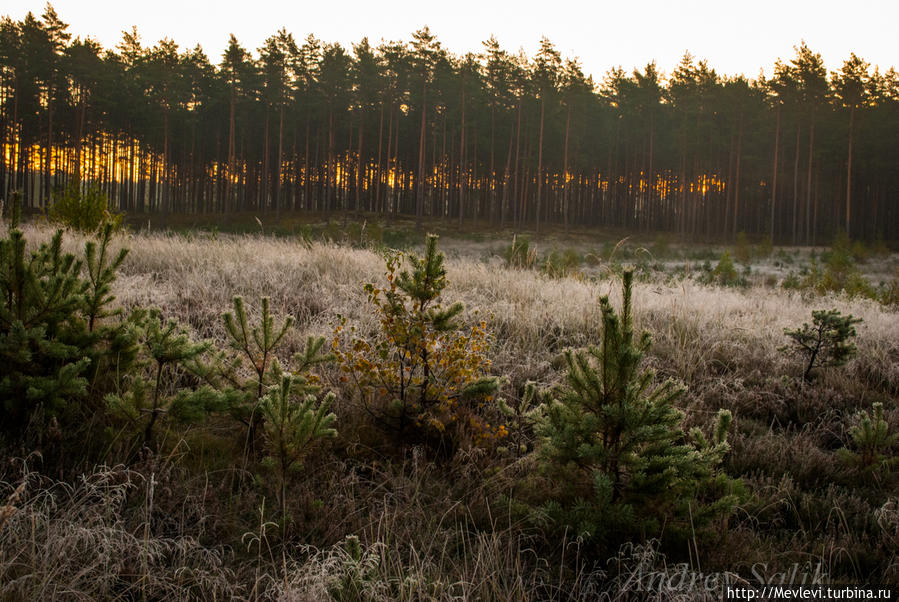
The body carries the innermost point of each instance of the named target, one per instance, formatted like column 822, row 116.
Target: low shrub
column 85, row 211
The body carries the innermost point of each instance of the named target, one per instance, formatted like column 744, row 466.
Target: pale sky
column 734, row 37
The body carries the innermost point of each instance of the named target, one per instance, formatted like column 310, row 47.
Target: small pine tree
column 101, row 274
column 871, row 449
column 725, row 273
column 521, row 416
column 826, row 343
column 422, row 373
column 255, row 344
column 292, row 428
column 742, row 248
column 86, row 211
column 152, row 395
column 613, row 439
column 61, row 345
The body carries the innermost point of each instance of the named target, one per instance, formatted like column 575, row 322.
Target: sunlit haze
column 733, row 37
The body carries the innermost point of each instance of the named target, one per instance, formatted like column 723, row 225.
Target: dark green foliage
column 101, row 274
column 826, row 343
column 84, row 211
column 246, row 370
column 520, row 254
column 838, row 271
column 521, row 415
column 154, row 393
column 615, row 445
column 292, row 427
column 254, row 344
column 742, row 248
column 559, row 265
column 60, row 352
column 872, row 447
column 423, row 287
column 724, row 273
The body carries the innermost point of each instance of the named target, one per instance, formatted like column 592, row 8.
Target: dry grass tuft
column 80, row 542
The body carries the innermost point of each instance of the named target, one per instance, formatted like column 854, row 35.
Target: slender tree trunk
column 307, row 179
column 329, row 178
column 226, row 202
column 492, row 181
column 359, row 163
column 774, row 182
column 379, row 174
column 849, row 169
column 565, row 171
column 506, row 176
column 737, row 178
column 517, row 217
column 387, row 178
column 277, row 195
column 420, row 184
column 796, row 188
column 49, row 167
column 462, row 167
column 266, row 166
column 808, row 181
column 540, row 167
column 164, row 197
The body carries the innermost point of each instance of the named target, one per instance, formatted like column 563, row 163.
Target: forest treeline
column 410, row 129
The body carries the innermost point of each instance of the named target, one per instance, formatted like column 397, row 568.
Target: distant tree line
column 410, row 129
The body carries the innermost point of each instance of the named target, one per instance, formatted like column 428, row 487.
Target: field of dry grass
column 167, row 529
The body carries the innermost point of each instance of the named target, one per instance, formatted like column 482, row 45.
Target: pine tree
column 291, row 428
column 826, row 343
column 101, row 274
column 423, row 377
column 151, row 395
column 53, row 329
column 255, row 344
column 614, row 441
column 871, row 448
column 522, row 416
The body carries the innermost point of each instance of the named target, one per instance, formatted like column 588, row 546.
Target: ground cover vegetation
column 210, row 415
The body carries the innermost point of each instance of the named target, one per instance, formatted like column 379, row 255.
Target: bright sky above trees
column 733, row 37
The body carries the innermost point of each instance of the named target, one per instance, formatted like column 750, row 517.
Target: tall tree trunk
column 506, row 176
column 330, row 162
column 307, row 178
column 266, row 165
column 796, row 187
column 650, row 187
column 277, row 194
column 517, row 217
column 462, row 167
column 387, row 175
column 48, row 175
column 849, row 169
column 774, row 182
column 492, row 181
column 226, row 202
column 164, row 197
column 359, row 163
column 737, row 178
column 379, row 174
column 808, row 181
column 565, row 171
column 540, row 167
column 420, row 184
